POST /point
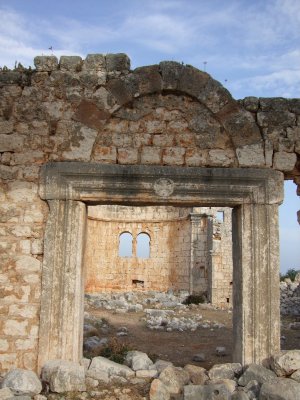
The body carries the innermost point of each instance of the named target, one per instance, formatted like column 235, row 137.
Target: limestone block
column 91, row 79
column 225, row 371
column 158, row 391
column 6, row 394
column 251, row 103
column 151, row 155
column 127, row 156
column 284, row 161
column 160, row 365
column 6, row 127
column 83, row 148
column 8, row 172
column 102, row 366
column 173, row 156
column 13, row 142
column 257, row 373
column 94, row 62
column 138, row 360
column 251, row 155
column 15, row 328
column 146, row 373
column 22, row 382
column 106, row 154
column 285, row 362
column 63, row 376
column 23, row 310
column 204, row 392
column 7, row 361
column 221, row 158
column 90, row 115
column 296, row 376
column 117, row 62
column 26, row 263
column 198, row 375
column 70, row 63
column 45, row 63
column 283, row 389
column 37, row 246
column 26, row 344
column 163, row 140
column 174, row 379
column 4, row 345
column 22, row 192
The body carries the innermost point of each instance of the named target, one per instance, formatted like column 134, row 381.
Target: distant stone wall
column 98, row 110
column 168, row 266
column 290, row 298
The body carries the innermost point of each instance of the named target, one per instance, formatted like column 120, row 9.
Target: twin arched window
column 142, row 245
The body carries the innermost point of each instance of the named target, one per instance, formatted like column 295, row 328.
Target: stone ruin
column 78, row 134
column 180, row 241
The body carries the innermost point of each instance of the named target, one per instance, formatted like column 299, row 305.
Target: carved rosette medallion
column 164, row 187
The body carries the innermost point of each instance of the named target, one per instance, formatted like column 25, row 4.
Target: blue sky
column 252, row 48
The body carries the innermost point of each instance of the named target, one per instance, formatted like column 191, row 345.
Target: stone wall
column 98, row 110
column 290, row 297
column 167, row 267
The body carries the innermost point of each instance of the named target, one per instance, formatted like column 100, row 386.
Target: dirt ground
column 180, row 347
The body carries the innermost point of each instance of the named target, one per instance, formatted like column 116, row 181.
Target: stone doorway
column 254, row 195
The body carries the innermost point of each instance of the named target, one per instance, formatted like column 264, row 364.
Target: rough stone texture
column 198, row 375
column 225, row 371
column 103, row 365
column 63, row 376
column 206, row 392
column 257, row 373
column 281, row 389
column 165, row 114
column 158, row 391
column 138, row 360
column 286, row 362
column 174, row 379
column 22, row 382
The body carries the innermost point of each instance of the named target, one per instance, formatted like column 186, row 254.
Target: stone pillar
column 195, row 221
column 210, row 275
column 256, row 317
column 61, row 317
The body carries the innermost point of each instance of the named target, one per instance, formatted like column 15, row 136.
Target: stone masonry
column 183, row 242
column 99, row 111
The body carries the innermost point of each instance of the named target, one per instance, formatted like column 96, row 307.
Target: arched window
column 143, row 245
column 125, row 244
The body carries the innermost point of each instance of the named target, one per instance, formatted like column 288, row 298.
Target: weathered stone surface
column 280, row 389
column 146, row 373
column 174, row 379
column 206, row 392
column 103, row 365
column 257, row 373
column 89, row 114
column 284, row 161
column 94, row 62
column 63, row 376
column 252, row 155
column 70, row 63
column 158, row 391
column 137, row 360
column 160, row 365
column 286, row 362
column 198, row 375
column 45, row 63
column 296, row 376
column 6, row 394
column 225, row 371
column 117, row 62
column 22, row 382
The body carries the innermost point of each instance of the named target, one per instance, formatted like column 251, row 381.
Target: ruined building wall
column 169, row 261
column 98, row 110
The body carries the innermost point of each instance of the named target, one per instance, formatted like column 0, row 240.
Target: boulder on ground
column 101, row 366
column 198, row 375
column 285, row 362
column 257, row 373
column 280, row 389
column 174, row 378
column 22, row 382
column 137, row 360
column 225, row 371
column 206, row 392
column 64, row 376
column 6, row 394
column 158, row 391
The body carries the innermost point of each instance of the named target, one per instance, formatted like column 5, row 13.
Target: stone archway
column 253, row 193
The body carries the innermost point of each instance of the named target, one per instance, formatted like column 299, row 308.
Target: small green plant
column 290, row 274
